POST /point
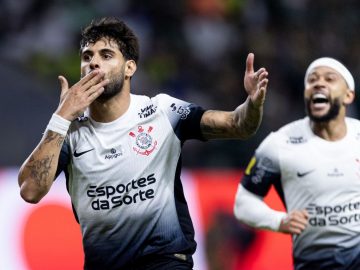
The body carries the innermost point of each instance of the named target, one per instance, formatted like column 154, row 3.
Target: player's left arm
column 244, row 121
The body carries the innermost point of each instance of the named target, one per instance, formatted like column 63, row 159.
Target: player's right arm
column 295, row 222
column 253, row 211
column 263, row 172
column 250, row 209
column 37, row 173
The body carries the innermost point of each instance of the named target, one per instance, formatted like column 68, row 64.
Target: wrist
column 281, row 219
column 58, row 124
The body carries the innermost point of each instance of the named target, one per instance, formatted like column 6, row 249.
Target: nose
column 320, row 83
column 94, row 63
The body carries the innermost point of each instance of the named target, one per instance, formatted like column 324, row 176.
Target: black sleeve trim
column 64, row 159
column 190, row 126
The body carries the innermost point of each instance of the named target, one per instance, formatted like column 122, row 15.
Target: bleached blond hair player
column 314, row 165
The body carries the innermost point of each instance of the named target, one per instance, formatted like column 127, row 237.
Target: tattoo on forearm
column 53, row 136
column 40, row 169
column 215, row 124
column 212, row 129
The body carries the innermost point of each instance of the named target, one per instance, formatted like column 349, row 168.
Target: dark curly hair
column 114, row 29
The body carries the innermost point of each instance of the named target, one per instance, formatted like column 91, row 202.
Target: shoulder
column 294, row 133
column 353, row 126
column 352, row 122
column 174, row 107
column 167, row 101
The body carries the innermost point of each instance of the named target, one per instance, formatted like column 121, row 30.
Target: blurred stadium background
column 192, row 49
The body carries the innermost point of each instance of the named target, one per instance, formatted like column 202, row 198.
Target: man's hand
column 75, row 100
column 255, row 83
column 295, row 222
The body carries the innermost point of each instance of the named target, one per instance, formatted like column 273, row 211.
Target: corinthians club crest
column 145, row 144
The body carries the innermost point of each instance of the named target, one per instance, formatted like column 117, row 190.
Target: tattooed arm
column 38, row 171
column 244, row 121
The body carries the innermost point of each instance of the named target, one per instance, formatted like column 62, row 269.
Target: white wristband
column 58, row 124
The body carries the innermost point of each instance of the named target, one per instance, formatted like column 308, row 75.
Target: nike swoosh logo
column 304, row 173
column 81, row 153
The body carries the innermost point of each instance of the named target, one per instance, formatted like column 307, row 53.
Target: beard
column 330, row 115
column 113, row 87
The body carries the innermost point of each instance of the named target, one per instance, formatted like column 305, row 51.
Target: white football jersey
column 124, row 181
column 320, row 176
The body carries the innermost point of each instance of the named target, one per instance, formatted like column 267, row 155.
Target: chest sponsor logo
column 335, row 173
column 334, row 215
column 113, row 196
column 114, row 153
column 145, row 144
column 147, row 111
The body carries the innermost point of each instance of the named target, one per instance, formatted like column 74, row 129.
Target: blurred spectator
column 193, row 49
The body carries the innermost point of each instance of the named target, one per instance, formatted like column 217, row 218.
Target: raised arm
column 244, row 121
column 37, row 173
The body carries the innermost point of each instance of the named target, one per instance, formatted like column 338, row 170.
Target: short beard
column 113, row 87
column 331, row 114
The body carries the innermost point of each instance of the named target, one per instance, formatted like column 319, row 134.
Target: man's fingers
column 89, row 77
column 96, row 87
column 91, row 81
column 305, row 214
column 296, row 226
column 95, row 94
column 250, row 63
column 64, row 84
column 261, row 74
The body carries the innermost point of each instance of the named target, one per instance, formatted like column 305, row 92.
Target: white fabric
column 320, row 176
column 253, row 211
column 334, row 64
column 58, row 124
column 123, row 181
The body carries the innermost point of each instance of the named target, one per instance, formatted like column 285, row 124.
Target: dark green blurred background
column 192, row 49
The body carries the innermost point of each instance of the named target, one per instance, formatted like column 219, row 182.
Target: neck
column 332, row 130
column 111, row 109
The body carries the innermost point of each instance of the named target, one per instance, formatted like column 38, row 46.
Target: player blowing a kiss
column 121, row 154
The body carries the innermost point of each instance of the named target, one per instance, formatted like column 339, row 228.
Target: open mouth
column 319, row 99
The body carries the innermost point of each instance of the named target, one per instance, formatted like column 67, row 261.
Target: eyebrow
column 326, row 73
column 105, row 50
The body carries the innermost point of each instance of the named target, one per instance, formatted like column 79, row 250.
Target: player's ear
column 130, row 68
column 349, row 97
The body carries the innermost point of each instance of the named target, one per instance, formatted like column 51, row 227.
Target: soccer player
column 121, row 154
column 314, row 165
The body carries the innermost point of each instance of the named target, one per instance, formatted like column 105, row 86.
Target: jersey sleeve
column 184, row 117
column 263, row 170
column 64, row 159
